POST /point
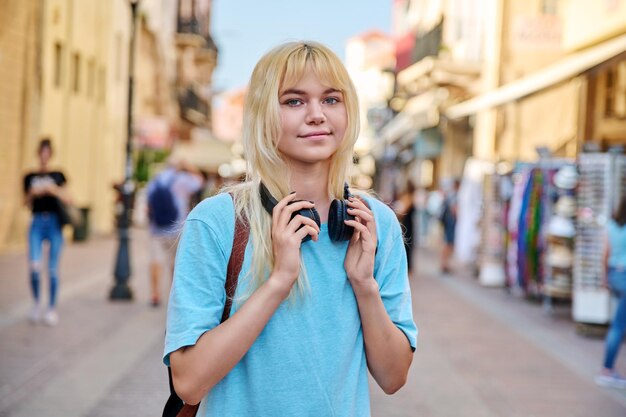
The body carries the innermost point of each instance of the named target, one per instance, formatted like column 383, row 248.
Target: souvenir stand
column 532, row 204
column 602, row 182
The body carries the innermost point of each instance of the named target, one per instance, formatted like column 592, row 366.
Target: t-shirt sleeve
column 60, row 179
column 390, row 271
column 197, row 296
column 27, row 180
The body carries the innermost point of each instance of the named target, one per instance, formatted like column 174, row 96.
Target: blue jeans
column 617, row 282
column 44, row 227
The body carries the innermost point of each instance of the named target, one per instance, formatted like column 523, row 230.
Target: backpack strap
column 242, row 234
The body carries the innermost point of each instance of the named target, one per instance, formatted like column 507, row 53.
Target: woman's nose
column 315, row 113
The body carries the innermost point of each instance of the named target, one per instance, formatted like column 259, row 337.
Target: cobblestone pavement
column 481, row 352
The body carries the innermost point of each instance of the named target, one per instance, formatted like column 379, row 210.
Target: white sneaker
column 51, row 318
column 613, row 380
column 35, row 314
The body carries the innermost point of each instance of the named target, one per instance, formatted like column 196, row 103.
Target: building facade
column 438, row 61
column 561, row 62
column 370, row 59
column 20, row 93
column 67, row 77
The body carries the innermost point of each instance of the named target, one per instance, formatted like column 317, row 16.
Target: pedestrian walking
column 44, row 193
column 448, row 223
column 323, row 293
column 169, row 194
column 404, row 206
column 615, row 263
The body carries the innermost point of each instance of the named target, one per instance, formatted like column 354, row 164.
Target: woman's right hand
column 287, row 235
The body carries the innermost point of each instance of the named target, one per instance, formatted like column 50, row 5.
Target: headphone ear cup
column 337, row 229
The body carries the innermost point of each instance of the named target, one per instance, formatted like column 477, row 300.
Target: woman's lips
column 315, row 135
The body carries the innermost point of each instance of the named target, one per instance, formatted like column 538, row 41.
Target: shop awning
column 204, row 151
column 419, row 113
column 562, row 70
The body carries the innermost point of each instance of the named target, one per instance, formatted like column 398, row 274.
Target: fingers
column 363, row 214
column 283, row 213
column 278, row 208
column 283, row 226
column 359, row 228
column 307, row 230
column 301, row 222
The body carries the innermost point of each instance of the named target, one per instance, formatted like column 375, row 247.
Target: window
column 58, row 64
column 102, row 85
column 76, row 72
column 550, row 7
column 615, row 91
column 118, row 57
column 91, row 74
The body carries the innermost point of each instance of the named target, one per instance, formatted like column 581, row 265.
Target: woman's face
column 313, row 120
column 45, row 153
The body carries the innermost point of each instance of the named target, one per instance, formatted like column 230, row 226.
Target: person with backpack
column 323, row 293
column 169, row 194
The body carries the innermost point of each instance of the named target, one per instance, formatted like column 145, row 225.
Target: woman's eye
column 331, row 100
column 293, row 102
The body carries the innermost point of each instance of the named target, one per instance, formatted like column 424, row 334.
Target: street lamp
column 121, row 290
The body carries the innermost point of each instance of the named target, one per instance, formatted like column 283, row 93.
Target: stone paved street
column 481, row 352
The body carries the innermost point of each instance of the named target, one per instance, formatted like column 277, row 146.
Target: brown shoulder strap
column 242, row 233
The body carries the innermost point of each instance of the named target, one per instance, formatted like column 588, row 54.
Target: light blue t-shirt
column 309, row 360
column 617, row 240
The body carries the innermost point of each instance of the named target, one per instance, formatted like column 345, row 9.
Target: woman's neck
column 312, row 185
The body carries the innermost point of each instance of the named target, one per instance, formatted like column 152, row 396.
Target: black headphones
column 337, row 229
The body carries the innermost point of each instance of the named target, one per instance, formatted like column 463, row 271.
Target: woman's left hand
column 359, row 262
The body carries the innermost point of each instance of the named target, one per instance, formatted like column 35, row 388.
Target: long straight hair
column 277, row 70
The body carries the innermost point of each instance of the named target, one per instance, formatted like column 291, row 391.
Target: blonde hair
column 281, row 68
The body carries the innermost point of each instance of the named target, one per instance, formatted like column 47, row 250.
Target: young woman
column 615, row 262
column 42, row 191
column 310, row 316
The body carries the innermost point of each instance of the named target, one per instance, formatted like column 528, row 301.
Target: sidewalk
column 481, row 352
column 103, row 359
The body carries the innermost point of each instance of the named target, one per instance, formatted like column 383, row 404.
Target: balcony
column 189, row 25
column 193, row 108
column 428, row 44
column 188, row 32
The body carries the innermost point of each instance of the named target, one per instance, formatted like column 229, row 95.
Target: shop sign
column 428, row 143
column 153, row 132
column 537, row 33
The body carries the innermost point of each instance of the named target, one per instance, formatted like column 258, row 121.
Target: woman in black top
column 44, row 190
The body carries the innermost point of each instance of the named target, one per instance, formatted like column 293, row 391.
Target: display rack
column 492, row 245
column 601, row 185
column 560, row 240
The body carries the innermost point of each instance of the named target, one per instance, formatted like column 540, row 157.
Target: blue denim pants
column 44, row 227
column 617, row 282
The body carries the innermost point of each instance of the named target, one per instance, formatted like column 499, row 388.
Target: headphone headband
column 338, row 213
column 267, row 200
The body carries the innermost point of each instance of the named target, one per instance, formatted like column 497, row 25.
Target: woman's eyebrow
column 304, row 93
column 293, row 91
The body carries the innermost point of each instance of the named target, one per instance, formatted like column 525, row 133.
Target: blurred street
column 480, row 352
